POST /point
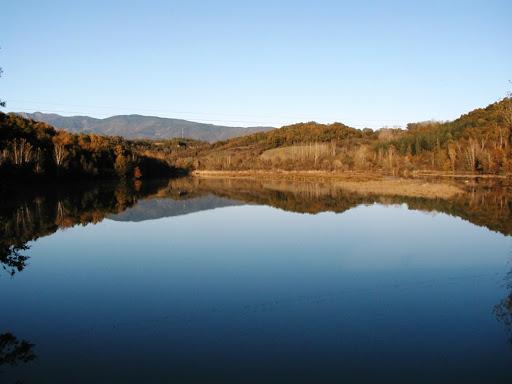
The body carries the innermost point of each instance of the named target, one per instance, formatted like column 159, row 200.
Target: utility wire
column 360, row 123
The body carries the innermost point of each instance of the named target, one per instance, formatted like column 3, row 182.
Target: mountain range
column 143, row 127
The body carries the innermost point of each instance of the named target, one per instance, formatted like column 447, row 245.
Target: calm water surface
column 255, row 283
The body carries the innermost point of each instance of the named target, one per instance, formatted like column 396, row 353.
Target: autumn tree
column 60, row 143
column 122, row 162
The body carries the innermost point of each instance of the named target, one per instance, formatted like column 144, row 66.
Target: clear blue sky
column 365, row 63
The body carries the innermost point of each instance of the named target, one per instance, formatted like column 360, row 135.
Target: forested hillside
column 478, row 142
column 30, row 149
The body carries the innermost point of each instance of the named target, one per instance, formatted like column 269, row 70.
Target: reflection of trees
column 485, row 203
column 12, row 260
column 503, row 310
column 35, row 214
column 14, row 351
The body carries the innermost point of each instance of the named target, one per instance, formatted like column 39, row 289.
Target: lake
column 221, row 280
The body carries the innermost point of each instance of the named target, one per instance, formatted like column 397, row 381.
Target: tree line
column 478, row 142
column 30, row 149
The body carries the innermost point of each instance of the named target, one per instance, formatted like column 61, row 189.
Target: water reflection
column 484, row 203
column 33, row 215
column 13, row 351
column 11, row 258
column 167, row 298
column 503, row 310
column 29, row 214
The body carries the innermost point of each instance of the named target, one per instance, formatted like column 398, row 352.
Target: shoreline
column 344, row 174
column 281, row 173
column 353, row 182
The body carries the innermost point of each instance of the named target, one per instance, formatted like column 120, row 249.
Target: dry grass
column 309, row 152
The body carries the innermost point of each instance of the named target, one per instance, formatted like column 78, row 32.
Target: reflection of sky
column 368, row 237
column 253, row 274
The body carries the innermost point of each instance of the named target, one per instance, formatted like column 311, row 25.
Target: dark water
column 223, row 281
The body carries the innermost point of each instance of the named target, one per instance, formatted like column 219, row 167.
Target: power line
column 210, row 121
column 360, row 122
column 31, row 110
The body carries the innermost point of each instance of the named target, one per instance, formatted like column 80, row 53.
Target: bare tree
column 60, row 142
column 470, row 154
column 452, row 154
column 22, row 151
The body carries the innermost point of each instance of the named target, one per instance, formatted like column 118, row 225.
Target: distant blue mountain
column 143, row 127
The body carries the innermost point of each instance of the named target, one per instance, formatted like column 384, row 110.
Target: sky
column 244, row 63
